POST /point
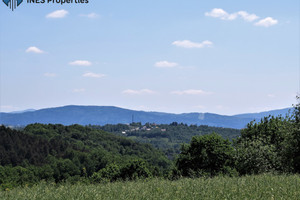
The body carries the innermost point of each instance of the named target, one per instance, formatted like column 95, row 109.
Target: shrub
column 207, row 155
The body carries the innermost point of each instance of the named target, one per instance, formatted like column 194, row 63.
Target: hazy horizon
column 32, row 109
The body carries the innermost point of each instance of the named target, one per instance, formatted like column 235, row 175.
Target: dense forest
column 58, row 153
column 166, row 137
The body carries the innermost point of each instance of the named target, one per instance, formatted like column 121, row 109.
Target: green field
column 249, row 187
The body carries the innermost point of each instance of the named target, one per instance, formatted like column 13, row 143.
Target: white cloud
column 191, row 92
column 93, row 75
column 138, row 92
column 222, row 14
column 34, row 50
column 79, row 90
column 189, row 44
column 81, row 63
column 58, row 14
column 90, row 15
column 50, row 74
column 165, row 64
column 248, row 17
column 269, row 21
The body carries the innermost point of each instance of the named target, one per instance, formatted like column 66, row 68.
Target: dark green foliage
column 205, row 155
column 110, row 173
column 78, row 154
column 135, row 169
column 293, row 150
column 60, row 153
column 98, row 141
column 16, row 147
column 260, row 147
column 292, row 144
column 64, row 169
column 14, row 176
column 272, row 145
column 167, row 138
column 254, row 157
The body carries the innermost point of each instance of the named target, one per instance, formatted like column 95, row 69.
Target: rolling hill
column 101, row 115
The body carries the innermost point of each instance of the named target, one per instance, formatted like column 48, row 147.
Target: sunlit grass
column 249, row 187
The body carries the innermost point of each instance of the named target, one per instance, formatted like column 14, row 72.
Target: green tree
column 292, row 144
column 269, row 145
column 206, row 155
column 135, row 169
column 254, row 157
column 110, row 173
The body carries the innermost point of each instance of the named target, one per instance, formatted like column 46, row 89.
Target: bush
column 108, row 174
column 135, row 169
column 254, row 157
column 207, row 155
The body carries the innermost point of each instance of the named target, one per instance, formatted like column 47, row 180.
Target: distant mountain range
column 22, row 111
column 101, row 115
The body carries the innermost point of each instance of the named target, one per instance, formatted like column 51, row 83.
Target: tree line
column 58, row 153
column 166, row 137
column 70, row 153
column 271, row 145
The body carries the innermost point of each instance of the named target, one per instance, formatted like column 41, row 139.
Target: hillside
column 101, row 115
column 166, row 137
column 57, row 152
column 258, row 116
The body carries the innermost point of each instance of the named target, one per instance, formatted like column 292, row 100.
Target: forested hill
column 101, row 115
column 59, row 152
column 166, row 137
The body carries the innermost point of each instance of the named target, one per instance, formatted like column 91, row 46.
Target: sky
column 179, row 56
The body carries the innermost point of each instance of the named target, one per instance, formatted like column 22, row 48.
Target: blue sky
column 226, row 57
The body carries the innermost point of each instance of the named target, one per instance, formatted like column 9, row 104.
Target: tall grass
column 249, row 187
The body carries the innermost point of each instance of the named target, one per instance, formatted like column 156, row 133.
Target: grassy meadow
column 248, row 187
